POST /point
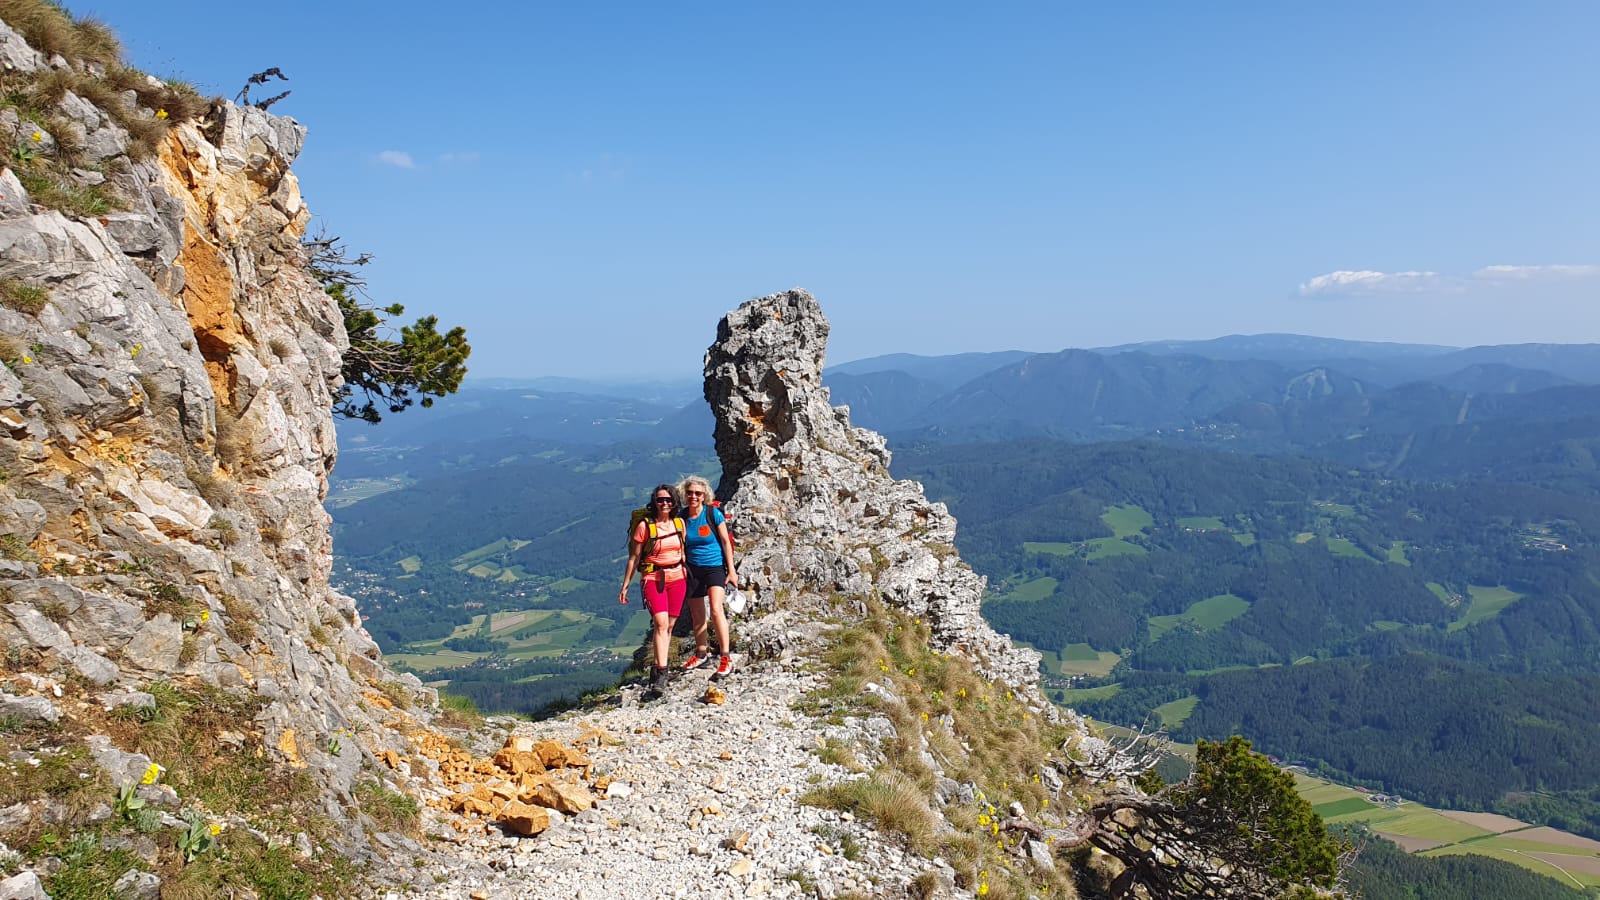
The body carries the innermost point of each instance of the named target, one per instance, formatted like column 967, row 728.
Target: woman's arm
column 727, row 551
column 627, row 573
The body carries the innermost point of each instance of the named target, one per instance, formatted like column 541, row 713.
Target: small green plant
column 23, row 297
column 129, row 803
column 71, row 198
column 14, row 547
column 391, row 811
column 86, row 869
column 199, row 837
column 458, row 711
column 396, row 692
column 223, row 526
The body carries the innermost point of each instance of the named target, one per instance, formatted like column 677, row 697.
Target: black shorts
column 703, row 578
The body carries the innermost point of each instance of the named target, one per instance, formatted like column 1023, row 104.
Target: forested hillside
column 1393, row 581
column 1434, row 639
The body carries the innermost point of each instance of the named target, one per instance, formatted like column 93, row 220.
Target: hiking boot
column 724, row 666
column 658, row 679
column 696, row 660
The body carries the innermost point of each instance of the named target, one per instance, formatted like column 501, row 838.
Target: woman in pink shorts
column 659, row 540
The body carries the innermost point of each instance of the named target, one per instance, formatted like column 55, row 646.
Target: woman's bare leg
column 697, row 612
column 719, row 619
column 663, row 637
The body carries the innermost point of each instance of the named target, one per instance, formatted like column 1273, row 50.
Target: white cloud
column 397, row 158
column 1367, row 282
column 1346, row 283
column 1530, row 273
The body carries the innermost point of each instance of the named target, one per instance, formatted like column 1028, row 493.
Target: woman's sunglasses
column 663, row 499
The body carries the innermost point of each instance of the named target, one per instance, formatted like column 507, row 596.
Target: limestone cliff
column 165, row 404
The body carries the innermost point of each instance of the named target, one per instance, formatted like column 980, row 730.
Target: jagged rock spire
column 817, row 510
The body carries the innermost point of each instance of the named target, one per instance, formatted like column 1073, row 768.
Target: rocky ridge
column 815, row 496
column 169, row 371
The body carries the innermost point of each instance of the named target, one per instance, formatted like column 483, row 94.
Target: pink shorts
column 665, row 599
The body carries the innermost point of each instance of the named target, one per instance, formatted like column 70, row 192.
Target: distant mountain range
column 1421, row 409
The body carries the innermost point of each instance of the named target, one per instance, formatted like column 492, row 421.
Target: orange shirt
column 667, row 554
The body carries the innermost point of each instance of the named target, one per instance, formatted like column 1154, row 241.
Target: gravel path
column 704, row 805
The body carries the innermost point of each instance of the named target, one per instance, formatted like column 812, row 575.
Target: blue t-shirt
column 703, row 546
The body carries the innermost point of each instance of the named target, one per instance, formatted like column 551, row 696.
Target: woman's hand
column 733, row 577
column 622, row 595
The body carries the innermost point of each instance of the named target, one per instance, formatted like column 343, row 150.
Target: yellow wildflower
column 161, row 114
column 205, row 616
column 151, row 775
column 215, row 829
column 38, row 136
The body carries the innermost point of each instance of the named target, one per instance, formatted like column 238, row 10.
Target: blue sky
column 588, row 187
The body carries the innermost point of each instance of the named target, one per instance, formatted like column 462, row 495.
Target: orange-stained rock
column 290, row 748
column 518, row 761
column 470, row 804
column 524, row 818
column 556, row 756
column 519, row 743
column 567, row 798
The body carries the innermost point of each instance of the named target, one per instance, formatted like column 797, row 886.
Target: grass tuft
column 23, row 297
column 458, row 711
column 391, row 811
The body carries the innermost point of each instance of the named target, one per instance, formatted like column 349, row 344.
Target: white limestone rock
column 816, row 507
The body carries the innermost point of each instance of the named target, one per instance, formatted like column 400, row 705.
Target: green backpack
column 648, row 516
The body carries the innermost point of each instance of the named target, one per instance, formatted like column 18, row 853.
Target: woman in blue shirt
column 709, row 555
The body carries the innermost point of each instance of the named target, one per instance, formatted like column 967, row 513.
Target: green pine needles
column 382, row 374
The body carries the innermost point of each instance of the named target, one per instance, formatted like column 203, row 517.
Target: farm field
column 1076, row 659
column 1339, row 546
column 1083, row 695
column 1207, row 614
column 1127, row 520
column 1055, row 547
column 1397, row 553
column 348, row 491
column 1031, row 590
column 1487, row 602
column 1173, row 714
column 1100, row 548
column 527, row 634
column 1569, row 858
